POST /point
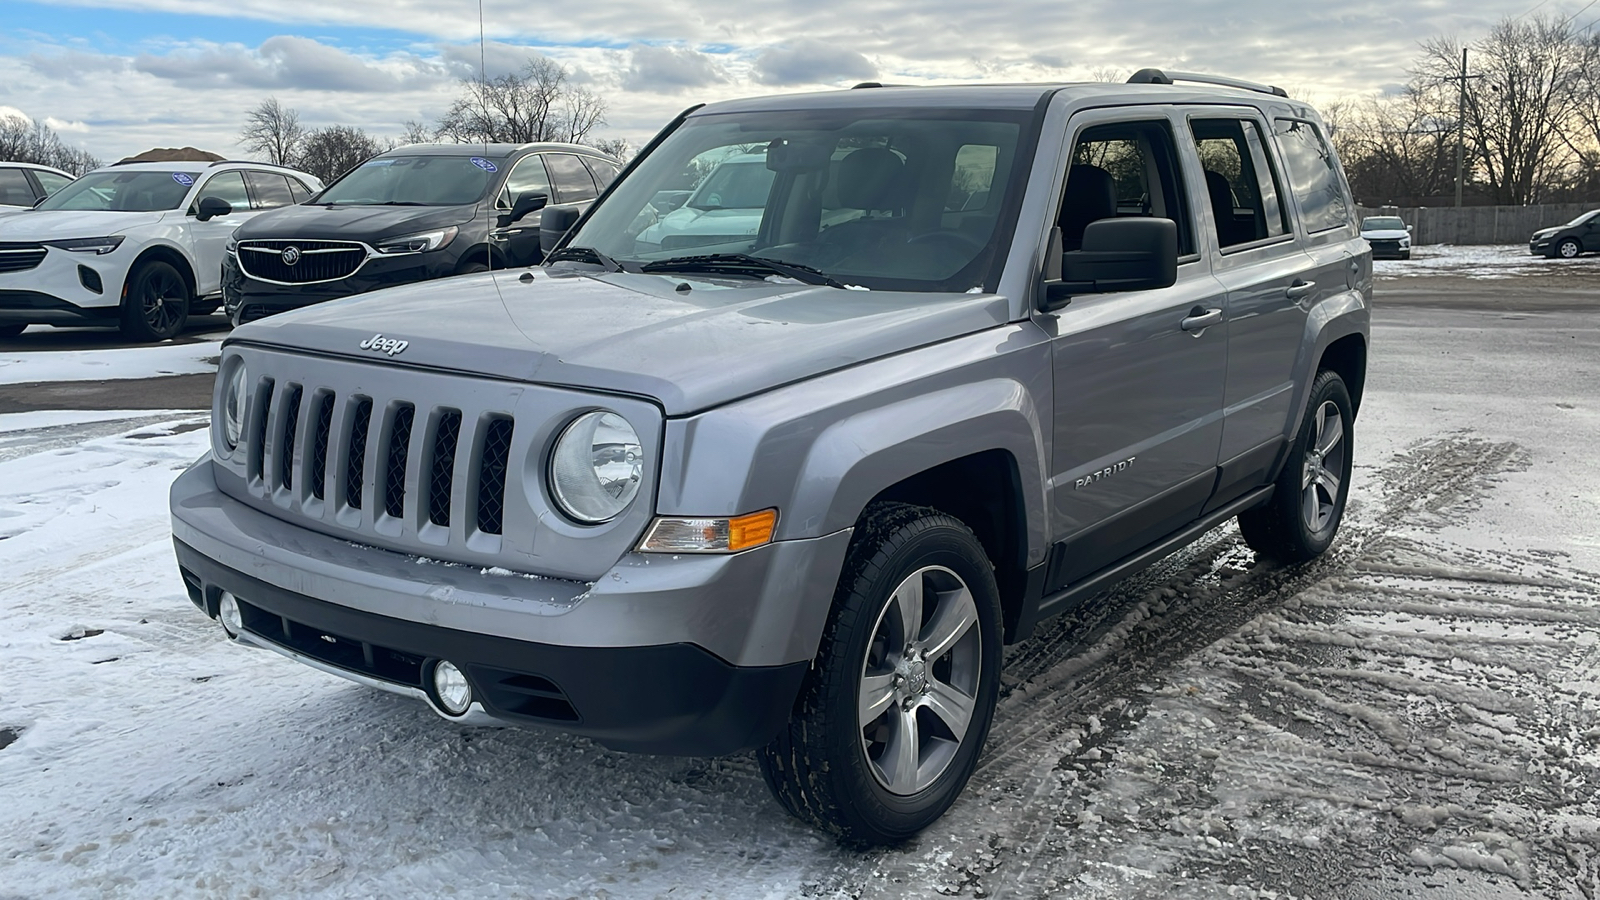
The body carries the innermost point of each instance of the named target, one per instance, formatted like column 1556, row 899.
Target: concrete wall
column 1479, row 224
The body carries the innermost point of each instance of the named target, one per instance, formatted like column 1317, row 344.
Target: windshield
column 414, row 181
column 124, row 191
column 910, row 199
column 1583, row 218
column 1383, row 223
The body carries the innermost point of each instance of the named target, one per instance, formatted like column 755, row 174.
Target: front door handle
column 1300, row 289
column 1201, row 318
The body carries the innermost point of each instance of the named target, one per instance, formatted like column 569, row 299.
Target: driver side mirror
column 211, row 208
column 1134, row 254
column 554, row 225
column 1408, row 229
column 527, row 202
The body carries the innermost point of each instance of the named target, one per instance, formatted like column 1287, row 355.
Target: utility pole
column 1461, row 126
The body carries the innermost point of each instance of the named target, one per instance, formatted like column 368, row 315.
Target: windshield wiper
column 589, row 255
column 742, row 263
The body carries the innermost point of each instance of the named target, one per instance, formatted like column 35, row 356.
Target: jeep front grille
column 20, row 257
column 314, row 261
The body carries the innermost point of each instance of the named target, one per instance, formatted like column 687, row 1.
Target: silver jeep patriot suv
column 787, row 474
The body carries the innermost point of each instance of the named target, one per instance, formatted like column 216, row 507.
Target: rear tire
column 11, row 331
column 155, row 302
column 895, row 709
column 1300, row 520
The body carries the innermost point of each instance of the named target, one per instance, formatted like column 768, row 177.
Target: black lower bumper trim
column 675, row 699
column 37, row 307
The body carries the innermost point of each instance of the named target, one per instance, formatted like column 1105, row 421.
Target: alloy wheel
column 1322, row 468
column 162, row 301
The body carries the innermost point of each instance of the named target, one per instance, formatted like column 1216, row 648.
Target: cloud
column 60, row 125
column 497, row 59
column 669, row 70
column 810, row 61
column 285, row 62
column 73, row 65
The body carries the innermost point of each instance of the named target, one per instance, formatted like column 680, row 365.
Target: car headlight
column 421, row 242
column 99, row 246
column 231, row 247
column 234, row 386
column 596, row 467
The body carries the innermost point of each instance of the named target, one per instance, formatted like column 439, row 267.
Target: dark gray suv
column 987, row 350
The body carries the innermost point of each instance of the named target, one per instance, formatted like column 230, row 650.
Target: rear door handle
column 1300, row 289
column 1201, row 318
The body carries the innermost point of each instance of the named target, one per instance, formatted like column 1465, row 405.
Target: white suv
column 139, row 244
column 24, row 184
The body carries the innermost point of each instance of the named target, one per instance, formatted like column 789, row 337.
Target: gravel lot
column 1417, row 714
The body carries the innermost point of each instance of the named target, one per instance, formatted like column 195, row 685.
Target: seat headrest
column 1221, row 191
column 1090, row 195
column 870, row 178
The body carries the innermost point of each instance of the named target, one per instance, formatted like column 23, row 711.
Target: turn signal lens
column 683, row 535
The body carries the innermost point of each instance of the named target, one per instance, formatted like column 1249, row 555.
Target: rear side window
column 271, row 190
column 1240, row 183
column 297, row 190
column 1313, row 175
column 1122, row 170
column 571, row 178
column 15, row 189
column 50, row 181
column 604, row 173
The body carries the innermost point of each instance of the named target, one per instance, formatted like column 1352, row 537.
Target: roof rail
column 245, row 162
column 1157, row 76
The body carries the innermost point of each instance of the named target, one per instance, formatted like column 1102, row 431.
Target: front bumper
column 247, row 299
column 1541, row 246
column 59, row 290
column 695, row 655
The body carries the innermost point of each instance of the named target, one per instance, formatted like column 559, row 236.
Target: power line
column 1566, row 19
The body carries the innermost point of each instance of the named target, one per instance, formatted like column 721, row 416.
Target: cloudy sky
column 119, row 76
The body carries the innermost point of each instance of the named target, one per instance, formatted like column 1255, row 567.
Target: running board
column 1055, row 604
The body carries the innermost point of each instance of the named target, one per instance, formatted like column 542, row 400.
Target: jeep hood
column 351, row 222
column 634, row 334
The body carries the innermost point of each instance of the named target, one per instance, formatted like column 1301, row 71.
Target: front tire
column 1569, row 248
column 1300, row 520
column 895, row 709
column 155, row 302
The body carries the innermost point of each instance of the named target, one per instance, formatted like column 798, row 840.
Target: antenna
column 483, row 104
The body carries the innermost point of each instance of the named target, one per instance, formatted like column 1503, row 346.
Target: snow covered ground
column 1417, row 714
column 23, row 367
column 1508, row 261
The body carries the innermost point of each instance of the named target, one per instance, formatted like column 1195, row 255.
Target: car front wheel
column 896, row 707
column 1569, row 249
column 155, row 302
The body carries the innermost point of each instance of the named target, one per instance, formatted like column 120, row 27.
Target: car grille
column 318, row 260
column 1386, row 246
column 20, row 257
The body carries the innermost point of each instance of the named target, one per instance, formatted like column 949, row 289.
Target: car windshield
column 1383, row 223
column 899, row 199
column 124, row 191
column 414, row 181
column 1582, row 219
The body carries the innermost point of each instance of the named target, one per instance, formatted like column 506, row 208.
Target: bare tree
column 29, row 140
column 416, row 133
column 1526, row 93
column 617, row 147
column 330, row 152
column 534, row 104
column 1398, row 148
column 274, row 131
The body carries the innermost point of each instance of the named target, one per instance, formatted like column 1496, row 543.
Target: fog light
column 450, row 688
column 228, row 612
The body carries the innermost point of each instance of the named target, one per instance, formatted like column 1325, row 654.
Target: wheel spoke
column 1310, row 507
column 949, row 704
column 1329, row 435
column 902, row 753
column 908, row 597
column 953, row 618
column 877, row 693
column 1329, row 482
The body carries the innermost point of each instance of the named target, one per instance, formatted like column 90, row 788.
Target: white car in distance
column 24, row 184
column 1389, row 236
column 138, row 245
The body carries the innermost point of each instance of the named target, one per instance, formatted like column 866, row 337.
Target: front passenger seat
column 1090, row 195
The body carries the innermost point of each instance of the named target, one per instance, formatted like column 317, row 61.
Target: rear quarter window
column 1313, row 175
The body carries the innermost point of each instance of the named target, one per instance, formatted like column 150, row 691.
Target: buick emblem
column 290, row 255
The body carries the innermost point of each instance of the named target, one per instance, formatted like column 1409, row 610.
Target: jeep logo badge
column 290, row 255
column 380, row 344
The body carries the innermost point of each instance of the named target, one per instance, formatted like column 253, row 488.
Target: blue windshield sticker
column 484, row 164
column 183, row 178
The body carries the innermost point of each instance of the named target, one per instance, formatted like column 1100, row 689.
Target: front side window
column 888, row 199
column 125, row 191
column 227, row 186
column 528, row 177
column 414, row 181
column 1239, row 181
column 1123, row 170
column 1313, row 174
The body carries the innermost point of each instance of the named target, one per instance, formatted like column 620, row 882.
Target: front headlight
column 418, row 243
column 99, row 246
column 231, row 247
column 596, row 467
column 233, row 403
